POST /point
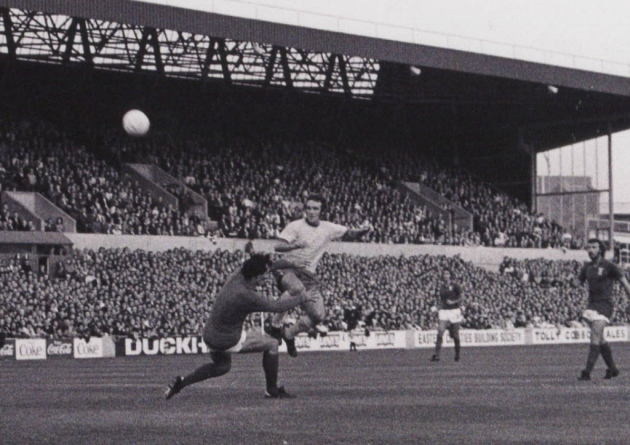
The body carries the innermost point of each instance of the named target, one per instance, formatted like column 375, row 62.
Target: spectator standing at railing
column 600, row 275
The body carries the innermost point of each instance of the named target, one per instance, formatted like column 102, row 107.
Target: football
column 136, row 123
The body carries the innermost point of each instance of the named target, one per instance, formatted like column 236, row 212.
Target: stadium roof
column 144, row 14
column 492, row 98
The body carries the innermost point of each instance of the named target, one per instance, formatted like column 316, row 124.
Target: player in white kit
column 303, row 242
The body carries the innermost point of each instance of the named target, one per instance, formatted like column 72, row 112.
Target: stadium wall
column 35, row 207
column 340, row 341
column 79, row 348
column 436, row 204
column 487, row 257
column 147, row 176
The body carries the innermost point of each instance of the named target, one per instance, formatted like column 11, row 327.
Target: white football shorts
column 592, row 315
column 452, row 315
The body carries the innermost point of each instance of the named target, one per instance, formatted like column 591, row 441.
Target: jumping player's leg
column 442, row 326
column 314, row 313
column 289, row 284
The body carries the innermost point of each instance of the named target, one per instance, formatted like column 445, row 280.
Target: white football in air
column 136, row 123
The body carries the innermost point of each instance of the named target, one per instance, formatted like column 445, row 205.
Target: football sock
column 607, row 355
column 304, row 324
column 458, row 345
column 270, row 366
column 454, row 331
column 593, row 354
column 438, row 344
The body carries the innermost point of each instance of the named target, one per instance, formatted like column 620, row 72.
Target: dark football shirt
column 450, row 292
column 235, row 301
column 600, row 277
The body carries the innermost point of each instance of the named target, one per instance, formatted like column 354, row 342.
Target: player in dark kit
column 224, row 333
column 600, row 275
column 449, row 314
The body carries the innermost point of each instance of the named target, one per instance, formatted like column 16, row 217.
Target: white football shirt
column 316, row 239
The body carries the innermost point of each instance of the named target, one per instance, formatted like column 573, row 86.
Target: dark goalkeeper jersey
column 600, row 277
column 235, row 301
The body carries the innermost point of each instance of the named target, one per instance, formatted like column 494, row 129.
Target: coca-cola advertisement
column 30, row 349
column 8, row 350
column 88, row 349
column 59, row 348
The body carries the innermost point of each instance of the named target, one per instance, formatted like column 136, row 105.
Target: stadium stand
column 119, row 292
column 93, row 192
column 252, row 186
column 236, row 129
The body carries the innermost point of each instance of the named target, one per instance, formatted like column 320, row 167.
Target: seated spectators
column 252, row 187
column 252, row 184
column 42, row 159
column 12, row 221
column 500, row 219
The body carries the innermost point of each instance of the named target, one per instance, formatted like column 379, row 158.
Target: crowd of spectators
column 39, row 158
column 54, row 226
column 119, row 292
column 12, row 221
column 252, row 186
column 499, row 219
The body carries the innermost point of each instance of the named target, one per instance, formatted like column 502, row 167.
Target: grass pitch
column 501, row 395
